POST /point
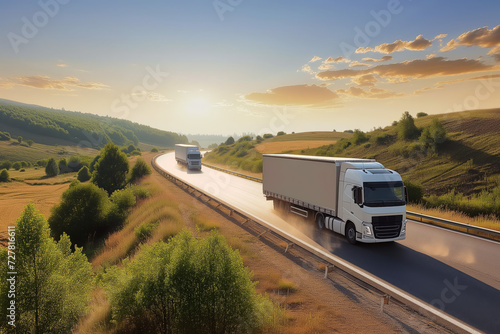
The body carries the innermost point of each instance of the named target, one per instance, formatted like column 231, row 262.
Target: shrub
column 51, row 169
column 4, row 136
column 139, row 170
column 81, row 213
column 63, row 166
column 6, row 164
column 422, row 114
column 359, row 137
column 122, row 200
column 74, row 164
column 110, row 171
column 4, row 176
column 268, row 136
column 415, row 191
column 30, row 142
column 187, row 285
column 84, row 174
column 281, row 133
column 135, row 152
column 154, row 150
column 229, row 141
column 406, row 127
column 19, row 139
column 17, row 165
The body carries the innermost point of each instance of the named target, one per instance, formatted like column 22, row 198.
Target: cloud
column 315, row 58
column 356, row 63
column 372, row 93
column 306, row 68
column 482, row 77
column 45, row 82
column 365, row 80
column 379, row 60
column 420, row 43
column 482, row 37
column 297, row 95
column 62, row 65
column 336, row 60
column 324, row 67
column 419, row 68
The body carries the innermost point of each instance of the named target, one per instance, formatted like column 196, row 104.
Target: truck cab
column 193, row 158
column 373, row 205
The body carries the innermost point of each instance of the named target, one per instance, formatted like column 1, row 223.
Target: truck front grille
column 387, row 227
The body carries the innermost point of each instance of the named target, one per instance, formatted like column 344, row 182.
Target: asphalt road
column 457, row 273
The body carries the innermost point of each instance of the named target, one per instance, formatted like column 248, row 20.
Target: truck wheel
column 276, row 204
column 350, row 233
column 320, row 221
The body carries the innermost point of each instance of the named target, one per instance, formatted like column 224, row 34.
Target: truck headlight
column 403, row 227
column 367, row 231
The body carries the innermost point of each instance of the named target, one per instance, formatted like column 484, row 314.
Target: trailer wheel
column 350, row 233
column 320, row 221
column 276, row 204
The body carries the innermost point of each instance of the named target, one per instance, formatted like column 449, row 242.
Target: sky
column 241, row 66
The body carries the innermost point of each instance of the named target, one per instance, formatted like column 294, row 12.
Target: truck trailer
column 188, row 155
column 358, row 198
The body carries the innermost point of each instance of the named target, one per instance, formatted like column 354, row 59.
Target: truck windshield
column 194, row 156
column 384, row 193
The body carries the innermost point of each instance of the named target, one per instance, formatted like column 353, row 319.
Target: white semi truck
column 188, row 155
column 358, row 198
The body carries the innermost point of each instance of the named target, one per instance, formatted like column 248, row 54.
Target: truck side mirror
column 357, row 193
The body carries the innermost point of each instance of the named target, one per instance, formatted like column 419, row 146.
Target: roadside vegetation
column 448, row 161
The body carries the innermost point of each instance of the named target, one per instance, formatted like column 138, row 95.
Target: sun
column 198, row 106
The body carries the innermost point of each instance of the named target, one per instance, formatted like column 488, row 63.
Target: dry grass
column 482, row 221
column 98, row 318
column 284, row 146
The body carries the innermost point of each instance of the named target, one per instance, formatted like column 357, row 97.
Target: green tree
column 19, row 139
column 139, row 170
column 415, row 191
column 74, row 164
column 47, row 274
column 84, row 174
column 281, row 133
column 4, row 176
column 154, row 150
column 359, row 137
column 82, row 213
column 6, row 164
column 51, row 169
column 187, row 285
column 229, row 141
column 406, row 127
column 110, row 171
column 433, row 136
column 422, row 114
column 63, row 166
column 30, row 142
column 17, row 165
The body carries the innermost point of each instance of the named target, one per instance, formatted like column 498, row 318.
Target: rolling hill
column 59, row 127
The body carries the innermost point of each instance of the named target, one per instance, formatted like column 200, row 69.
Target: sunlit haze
column 224, row 67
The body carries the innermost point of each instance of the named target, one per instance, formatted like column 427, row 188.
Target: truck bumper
column 367, row 234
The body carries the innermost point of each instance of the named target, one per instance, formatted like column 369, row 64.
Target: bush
column 110, row 171
column 122, row 200
column 81, row 213
column 6, row 165
column 154, row 150
column 135, row 152
column 84, row 174
column 51, row 169
column 422, row 114
column 17, row 165
column 415, row 191
column 74, row 164
column 4, row 136
column 406, row 127
column 139, row 170
column 359, row 137
column 4, row 176
column 30, row 142
column 229, row 141
column 268, row 136
column 281, row 133
column 63, row 166
column 187, row 285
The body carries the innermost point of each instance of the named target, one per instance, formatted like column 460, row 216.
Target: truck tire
column 350, row 233
column 320, row 221
column 276, row 204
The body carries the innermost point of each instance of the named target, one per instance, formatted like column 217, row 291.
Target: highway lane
column 457, row 273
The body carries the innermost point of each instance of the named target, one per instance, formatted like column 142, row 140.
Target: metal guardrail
column 418, row 305
column 436, row 221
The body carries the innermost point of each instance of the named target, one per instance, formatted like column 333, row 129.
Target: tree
column 406, row 127
column 84, row 174
column 433, row 135
column 17, row 165
column 4, row 176
column 47, row 274
column 154, row 150
column 20, row 139
column 187, row 285
column 422, row 114
column 74, row 164
column 6, row 164
column 229, row 141
column 63, row 166
column 110, row 171
column 139, row 170
column 281, row 133
column 359, row 137
column 82, row 213
column 51, row 169
column 30, row 142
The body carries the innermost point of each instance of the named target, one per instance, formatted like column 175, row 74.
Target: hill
column 53, row 126
column 453, row 172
